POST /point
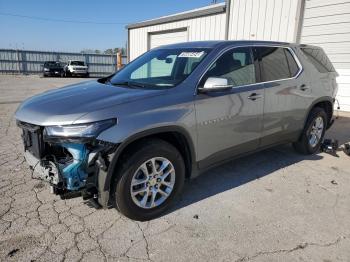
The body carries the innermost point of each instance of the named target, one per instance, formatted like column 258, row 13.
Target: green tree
column 109, row 51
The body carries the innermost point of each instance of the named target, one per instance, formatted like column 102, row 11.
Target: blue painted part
column 75, row 173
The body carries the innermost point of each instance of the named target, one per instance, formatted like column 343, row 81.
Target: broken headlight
column 88, row 130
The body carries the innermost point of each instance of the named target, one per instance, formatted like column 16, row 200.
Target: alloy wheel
column 152, row 183
column 316, row 131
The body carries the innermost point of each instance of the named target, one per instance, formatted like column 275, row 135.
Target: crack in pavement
column 298, row 247
column 146, row 241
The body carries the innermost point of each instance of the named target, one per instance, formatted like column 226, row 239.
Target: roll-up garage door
column 327, row 24
column 167, row 38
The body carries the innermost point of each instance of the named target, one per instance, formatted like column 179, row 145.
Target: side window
column 274, row 63
column 319, row 59
column 236, row 65
column 293, row 66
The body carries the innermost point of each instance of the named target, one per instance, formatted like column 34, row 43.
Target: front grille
column 28, row 126
column 32, row 138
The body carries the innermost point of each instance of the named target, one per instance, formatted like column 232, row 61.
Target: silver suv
column 131, row 139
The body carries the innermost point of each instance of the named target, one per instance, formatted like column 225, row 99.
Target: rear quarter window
column 319, row 59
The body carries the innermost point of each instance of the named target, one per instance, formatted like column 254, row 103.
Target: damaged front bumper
column 72, row 166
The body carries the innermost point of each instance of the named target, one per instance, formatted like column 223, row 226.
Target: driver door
column 229, row 122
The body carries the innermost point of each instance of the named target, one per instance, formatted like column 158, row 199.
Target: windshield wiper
column 128, row 83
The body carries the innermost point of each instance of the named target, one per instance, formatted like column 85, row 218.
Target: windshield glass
column 160, row 68
column 77, row 63
column 52, row 64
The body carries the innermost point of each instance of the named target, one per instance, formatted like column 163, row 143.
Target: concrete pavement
column 274, row 205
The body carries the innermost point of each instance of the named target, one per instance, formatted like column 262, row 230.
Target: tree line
column 109, row 51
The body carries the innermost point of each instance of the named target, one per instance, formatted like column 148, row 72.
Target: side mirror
column 215, row 84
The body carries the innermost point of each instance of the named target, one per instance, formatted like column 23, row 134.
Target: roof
column 198, row 12
column 223, row 43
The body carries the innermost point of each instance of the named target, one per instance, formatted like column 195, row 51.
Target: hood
column 54, row 67
column 63, row 106
column 79, row 66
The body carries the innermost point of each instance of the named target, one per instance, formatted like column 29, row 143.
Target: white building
column 324, row 23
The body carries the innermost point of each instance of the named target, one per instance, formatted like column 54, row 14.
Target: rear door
column 229, row 122
column 287, row 94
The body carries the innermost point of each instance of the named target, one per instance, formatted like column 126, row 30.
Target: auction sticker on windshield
column 191, row 54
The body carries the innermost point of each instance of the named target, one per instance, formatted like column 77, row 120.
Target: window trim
column 296, row 59
column 301, row 68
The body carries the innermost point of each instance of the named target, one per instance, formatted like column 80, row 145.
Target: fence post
column 18, row 62
column 87, row 61
column 119, row 60
column 24, row 62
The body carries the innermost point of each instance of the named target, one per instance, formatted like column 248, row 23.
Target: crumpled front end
column 75, row 171
column 71, row 166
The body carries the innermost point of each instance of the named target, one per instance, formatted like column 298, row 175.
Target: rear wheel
column 151, row 176
column 313, row 133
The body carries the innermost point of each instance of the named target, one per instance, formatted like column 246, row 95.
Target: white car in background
column 76, row 68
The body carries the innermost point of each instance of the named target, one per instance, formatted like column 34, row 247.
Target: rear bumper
column 333, row 118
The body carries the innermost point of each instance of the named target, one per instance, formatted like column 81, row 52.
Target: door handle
column 254, row 96
column 303, row 87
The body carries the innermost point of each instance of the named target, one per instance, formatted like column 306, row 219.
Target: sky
column 33, row 34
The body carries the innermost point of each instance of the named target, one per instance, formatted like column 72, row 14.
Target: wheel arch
column 326, row 103
column 175, row 135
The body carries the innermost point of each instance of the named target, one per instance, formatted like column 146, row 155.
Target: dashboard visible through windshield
column 160, row 68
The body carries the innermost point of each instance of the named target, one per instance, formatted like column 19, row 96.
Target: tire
column 87, row 75
column 304, row 144
column 138, row 156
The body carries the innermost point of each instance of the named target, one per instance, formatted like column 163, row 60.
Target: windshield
column 160, row 68
column 77, row 63
column 52, row 64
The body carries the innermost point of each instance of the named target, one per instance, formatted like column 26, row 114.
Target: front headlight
column 46, row 69
column 88, row 130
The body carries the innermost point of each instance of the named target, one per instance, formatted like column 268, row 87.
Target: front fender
column 135, row 123
column 105, row 178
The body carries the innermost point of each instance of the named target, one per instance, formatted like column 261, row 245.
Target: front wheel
column 313, row 133
column 151, row 176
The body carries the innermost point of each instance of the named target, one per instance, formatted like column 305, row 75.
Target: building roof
column 222, row 43
column 198, row 12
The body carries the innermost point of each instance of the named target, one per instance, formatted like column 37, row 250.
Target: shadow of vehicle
column 239, row 172
column 246, row 169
